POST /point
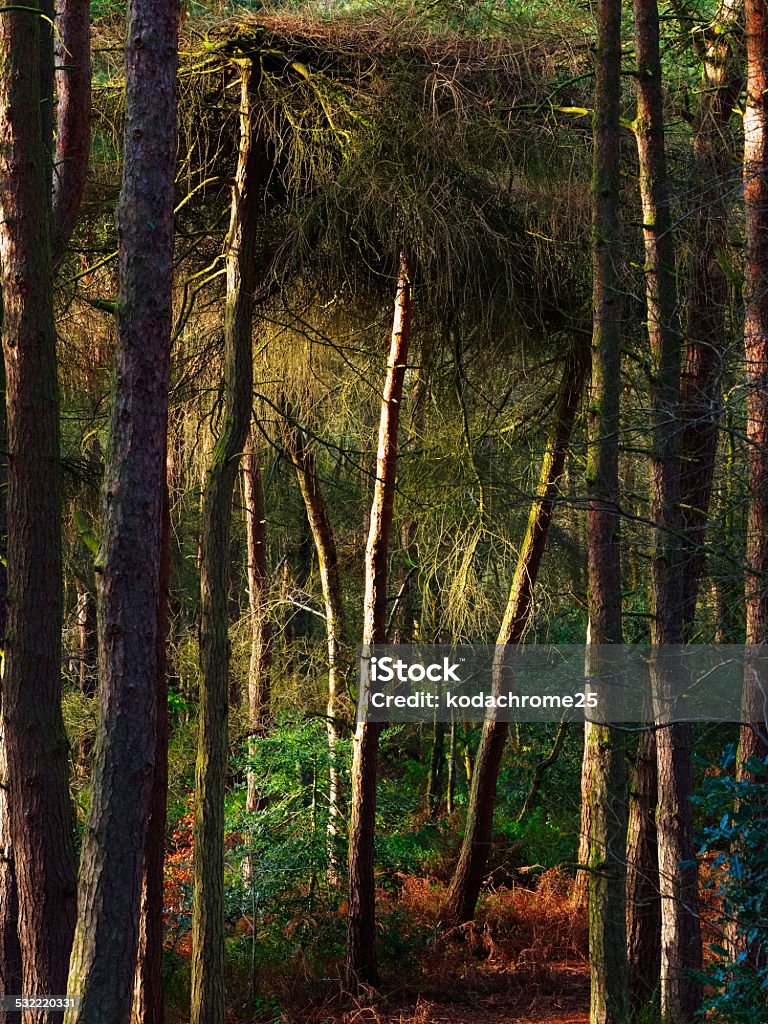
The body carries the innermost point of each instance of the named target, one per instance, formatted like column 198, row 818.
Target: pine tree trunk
column 643, row 897
column 41, row 821
column 261, row 631
column 606, row 789
column 211, row 766
column 103, row 964
column 73, row 117
column 754, row 737
column 706, row 340
column 468, row 876
column 361, row 921
column 148, row 995
column 87, row 640
column 303, row 459
column 681, row 933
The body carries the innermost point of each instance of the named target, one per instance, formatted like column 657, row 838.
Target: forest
column 336, row 324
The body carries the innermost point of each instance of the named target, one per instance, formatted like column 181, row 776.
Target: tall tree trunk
column 450, row 795
column 211, row 766
column 303, row 459
column 706, row 340
column 605, row 744
column 41, row 820
column 87, row 640
column 73, row 117
column 681, row 932
column 754, row 737
column 258, row 591
column 103, row 962
column 148, row 995
column 435, row 775
column 361, row 922
column 468, row 876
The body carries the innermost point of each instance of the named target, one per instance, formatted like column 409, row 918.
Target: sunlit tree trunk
column 104, row 956
column 303, row 459
column 211, row 766
column 87, row 654
column 468, row 876
column 681, row 933
column 41, row 822
column 361, row 921
column 258, row 590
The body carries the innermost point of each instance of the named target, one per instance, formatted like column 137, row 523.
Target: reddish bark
column 41, row 820
column 103, row 964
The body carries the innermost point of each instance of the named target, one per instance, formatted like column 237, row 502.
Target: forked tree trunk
column 41, row 820
column 211, row 766
column 681, row 932
column 148, row 994
column 361, row 922
column 468, row 876
column 605, row 751
column 261, row 632
column 754, row 737
column 303, row 459
column 103, row 964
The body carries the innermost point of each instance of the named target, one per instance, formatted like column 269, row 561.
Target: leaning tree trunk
column 361, row 921
column 754, row 737
column 211, row 766
column 261, row 631
column 41, row 821
column 112, row 863
column 605, row 744
column 468, row 876
column 681, row 932
column 303, row 459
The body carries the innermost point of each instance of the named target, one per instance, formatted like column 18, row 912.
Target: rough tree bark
column 104, row 956
column 258, row 591
column 605, row 748
column 148, row 994
column 361, row 920
column 468, row 876
column 41, row 821
column 211, row 766
column 754, row 737
column 681, row 932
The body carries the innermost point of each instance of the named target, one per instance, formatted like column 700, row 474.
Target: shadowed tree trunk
column 211, row 766
column 303, row 459
column 706, row 340
column 103, row 965
column 681, row 933
column 606, row 787
column 468, row 876
column 435, row 775
column 73, row 117
column 754, row 737
column 41, row 821
column 258, row 591
column 361, row 921
column 148, row 995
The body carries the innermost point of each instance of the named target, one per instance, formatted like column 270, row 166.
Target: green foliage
column 736, row 843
